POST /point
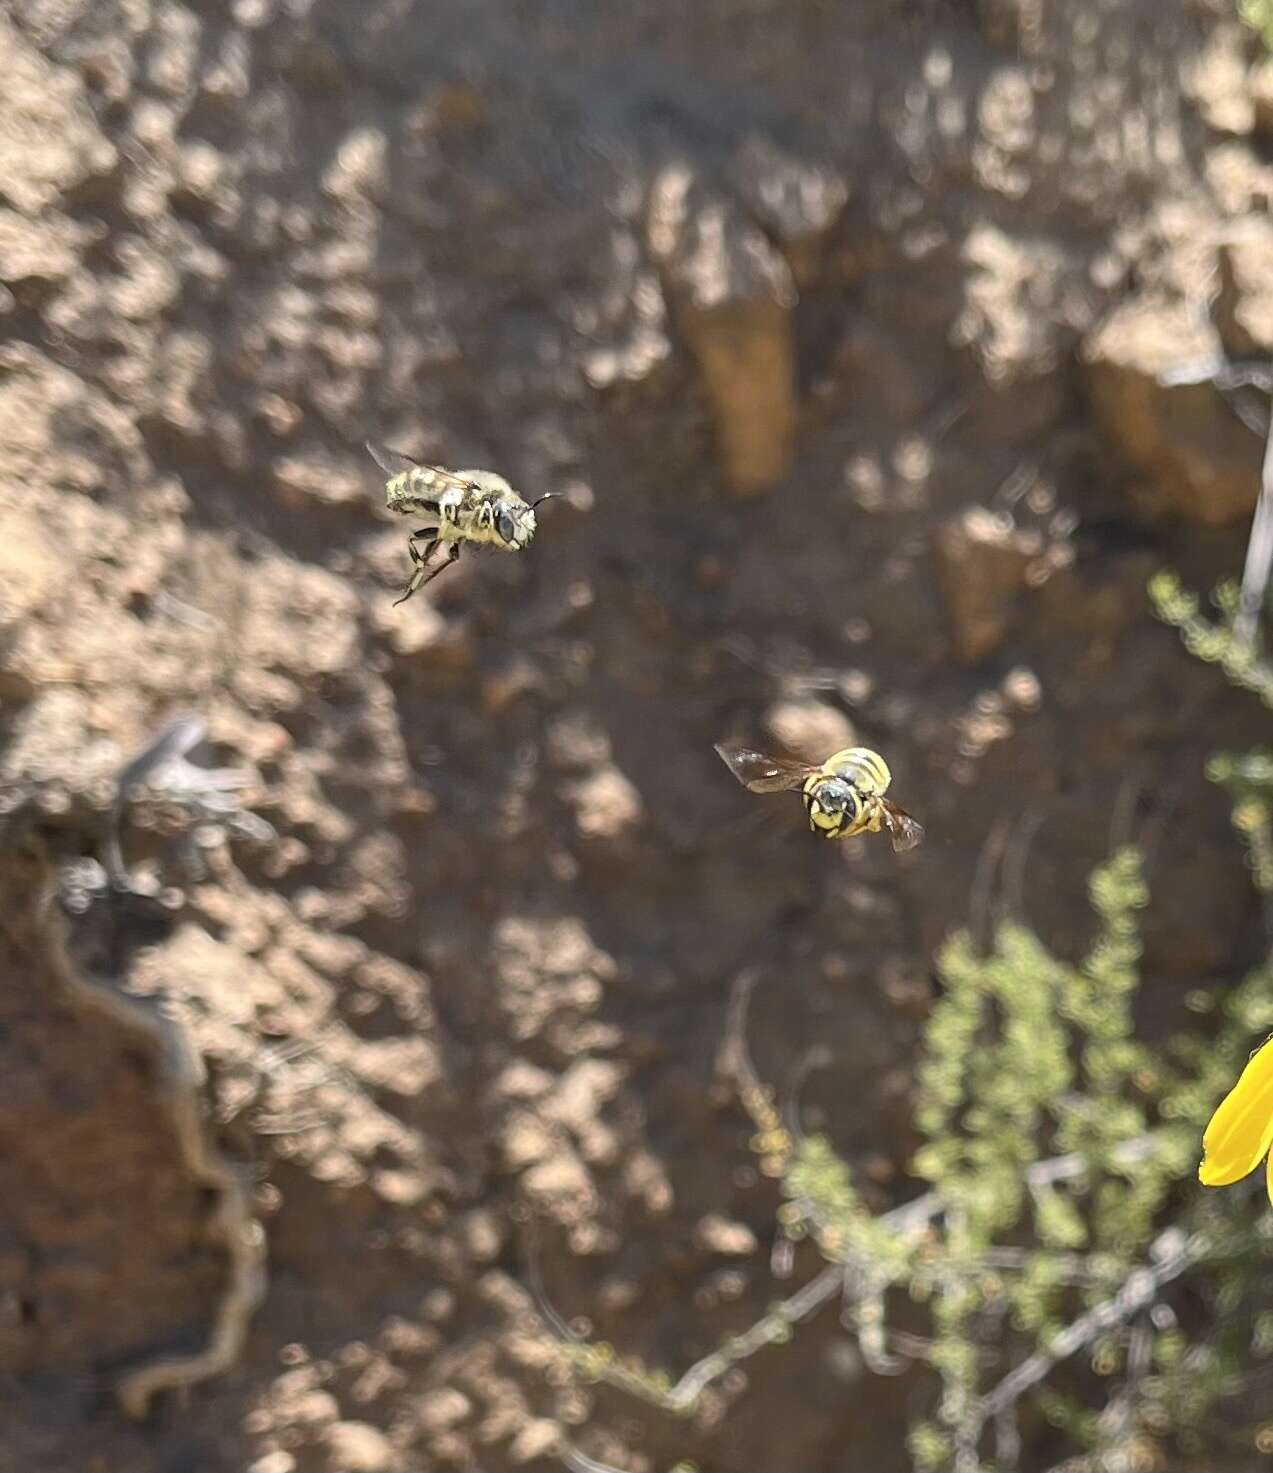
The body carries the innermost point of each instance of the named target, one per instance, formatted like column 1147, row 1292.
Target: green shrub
column 1063, row 1238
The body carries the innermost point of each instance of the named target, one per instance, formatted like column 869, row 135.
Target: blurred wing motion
column 395, row 463
column 761, row 774
column 903, row 830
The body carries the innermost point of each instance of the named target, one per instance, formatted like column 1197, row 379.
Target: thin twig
column 733, row 1061
column 816, row 1057
column 1220, row 372
column 1012, row 868
column 1122, row 814
column 1139, row 1292
column 983, row 880
column 771, row 1327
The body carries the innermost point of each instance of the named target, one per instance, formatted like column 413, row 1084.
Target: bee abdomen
column 865, row 769
column 405, row 494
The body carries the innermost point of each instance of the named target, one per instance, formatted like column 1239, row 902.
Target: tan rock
column 537, row 1439
column 358, row 1447
column 49, row 142
column 441, row 1409
column 582, row 1091
column 721, row 1235
column 1216, row 81
column 1260, row 83
column 524, row 1140
column 482, row 1235
column 606, row 804
column 30, row 568
column 42, row 250
column 808, row 729
column 561, row 1184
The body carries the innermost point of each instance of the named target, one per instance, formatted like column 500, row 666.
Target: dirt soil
column 843, row 330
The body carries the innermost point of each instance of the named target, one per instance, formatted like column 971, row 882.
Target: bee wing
column 392, row 462
column 904, row 831
column 440, row 480
column 761, row 774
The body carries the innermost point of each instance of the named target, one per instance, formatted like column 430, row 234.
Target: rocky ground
column 849, row 333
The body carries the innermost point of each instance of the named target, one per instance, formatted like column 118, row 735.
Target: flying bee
column 843, row 796
column 456, row 507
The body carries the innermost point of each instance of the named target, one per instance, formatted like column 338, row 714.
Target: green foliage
column 822, row 1197
column 1258, row 14
column 1212, row 639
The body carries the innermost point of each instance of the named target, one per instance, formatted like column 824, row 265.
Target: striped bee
column 843, row 796
column 456, row 507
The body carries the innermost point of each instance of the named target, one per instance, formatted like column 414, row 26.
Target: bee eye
column 507, row 530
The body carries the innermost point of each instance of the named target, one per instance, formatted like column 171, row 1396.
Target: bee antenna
column 547, row 496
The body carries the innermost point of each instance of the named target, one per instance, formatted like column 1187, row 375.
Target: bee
column 457, row 507
column 843, row 796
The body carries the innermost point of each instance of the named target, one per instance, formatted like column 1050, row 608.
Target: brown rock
column 797, row 202
column 1243, row 308
column 981, row 565
column 1200, row 463
column 733, row 297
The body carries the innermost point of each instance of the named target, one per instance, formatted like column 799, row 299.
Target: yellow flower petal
column 1269, row 1176
column 1241, row 1130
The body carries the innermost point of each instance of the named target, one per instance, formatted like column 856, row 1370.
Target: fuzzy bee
column 457, row 507
column 843, row 796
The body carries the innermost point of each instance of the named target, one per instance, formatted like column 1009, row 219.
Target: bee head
column 833, row 805
column 515, row 521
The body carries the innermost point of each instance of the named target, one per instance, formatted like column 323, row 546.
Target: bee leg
column 420, row 560
column 452, row 554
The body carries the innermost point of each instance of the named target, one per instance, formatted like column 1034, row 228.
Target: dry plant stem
column 161, row 763
column 181, row 1078
column 1259, row 555
column 174, row 739
column 579, row 1462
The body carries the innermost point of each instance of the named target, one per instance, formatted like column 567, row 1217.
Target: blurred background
column 413, row 1042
